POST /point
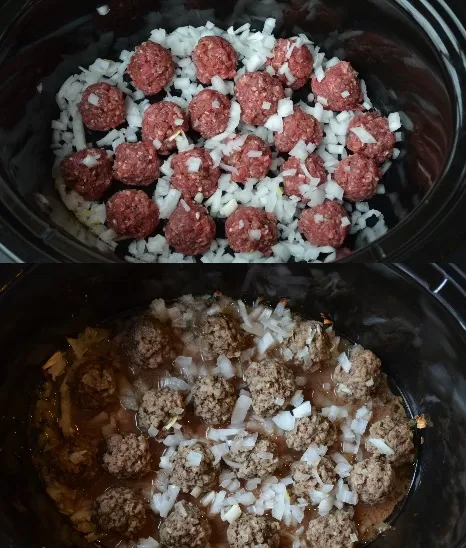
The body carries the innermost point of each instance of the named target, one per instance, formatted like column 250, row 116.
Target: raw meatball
column 209, row 113
column 127, row 456
column 340, row 87
column 372, row 479
column 253, row 531
column 271, row 384
column 253, row 89
column 220, row 336
column 363, row 377
column 74, row 462
column 397, row 435
column 186, row 476
column 185, row 527
column 159, row 407
column 258, row 461
column 298, row 126
column 310, row 345
column 292, row 183
column 194, row 173
column 214, row 399
column 314, row 429
column 190, row 232
column 89, row 182
column 161, row 122
column 147, row 343
column 379, row 128
column 120, row 510
column 300, row 63
column 250, row 229
column 247, row 162
column 326, row 224
column 214, row 56
column 305, row 476
column 93, row 385
column 136, row 164
column 358, row 176
column 335, row 530
column 151, row 68
column 102, row 107
column 132, row 213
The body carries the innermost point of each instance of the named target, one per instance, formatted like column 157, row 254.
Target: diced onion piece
column 243, row 403
column 233, row 514
column 364, row 136
column 193, row 458
column 344, row 361
column 304, row 410
column 285, row 420
column 381, row 446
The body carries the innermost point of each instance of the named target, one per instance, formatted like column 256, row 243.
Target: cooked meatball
column 358, row 176
column 127, row 456
column 326, row 224
column 132, row 213
column 363, row 377
column 209, row 113
column 271, row 384
column 214, row 399
column 305, row 476
column 252, row 160
column 398, row 435
column 147, row 343
column 258, row 461
column 335, row 530
column 102, row 107
column 251, row 229
column 340, row 87
column 314, row 429
column 161, row 122
column 214, row 56
column 254, row 90
column 372, row 479
column 293, row 182
column 136, row 164
column 298, row 126
column 120, row 510
column 185, row 527
column 151, row 68
column 74, row 462
column 159, row 407
column 220, row 336
column 194, row 173
column 310, row 344
column 379, row 129
column 299, row 61
column 94, row 384
column 188, row 476
column 253, row 531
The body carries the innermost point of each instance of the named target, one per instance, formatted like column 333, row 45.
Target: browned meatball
column 310, row 344
column 214, row 399
column 120, row 510
column 74, row 462
column 127, row 456
column 93, row 385
column 372, row 479
column 258, row 461
column 397, row 435
column 314, row 429
column 147, row 343
column 220, row 337
column 363, row 377
column 305, row 476
column 188, row 476
column 185, row 527
column 335, row 530
column 249, row 531
column 159, row 407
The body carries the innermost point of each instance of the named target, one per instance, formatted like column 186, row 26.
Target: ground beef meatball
column 147, row 343
column 358, row 176
column 194, row 173
column 326, row 224
column 292, row 183
column 190, row 232
column 161, row 122
column 127, row 456
column 272, row 384
column 340, row 87
column 254, row 90
column 132, row 213
column 151, row 68
column 220, row 336
column 362, row 379
column 305, row 477
column 214, row 399
column 300, row 63
column 94, row 384
column 250, row 229
column 136, row 164
column 75, row 462
column 314, row 429
column 88, row 172
column 298, row 126
column 185, row 527
column 335, row 530
column 378, row 127
column 159, row 407
column 102, row 107
column 120, row 510
column 372, row 479
column 214, row 56
column 209, row 113
column 257, row 531
column 246, row 160
column 397, row 435
column 258, row 461
column 186, row 476
column 310, row 345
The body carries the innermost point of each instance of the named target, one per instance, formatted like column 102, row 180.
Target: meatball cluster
column 214, row 399
column 397, row 435
column 310, row 345
column 127, row 456
column 372, row 479
column 187, row 475
column 159, row 407
column 250, row 531
column 314, row 429
column 220, row 336
column 94, row 384
column 75, row 461
column 335, row 530
column 258, row 461
column 306, row 477
column 185, row 527
column 362, row 379
column 120, row 510
column 147, row 343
